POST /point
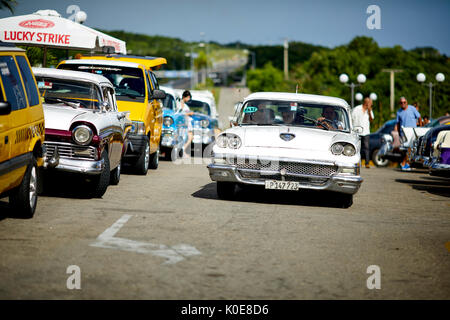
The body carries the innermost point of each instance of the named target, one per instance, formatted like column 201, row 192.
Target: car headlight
column 221, row 141
column 138, row 127
column 337, row 148
column 82, row 135
column 204, row 123
column 167, row 121
column 349, row 150
column 234, row 142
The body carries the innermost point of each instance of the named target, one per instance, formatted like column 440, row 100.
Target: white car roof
column 113, row 63
column 11, row 48
column 300, row 97
column 71, row 75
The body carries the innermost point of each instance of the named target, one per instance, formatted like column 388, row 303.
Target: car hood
column 304, row 138
column 60, row 116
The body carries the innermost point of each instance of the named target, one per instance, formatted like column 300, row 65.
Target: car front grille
column 68, row 150
column 299, row 168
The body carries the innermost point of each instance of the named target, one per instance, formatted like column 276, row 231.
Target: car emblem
column 287, row 136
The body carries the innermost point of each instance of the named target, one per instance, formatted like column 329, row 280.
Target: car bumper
column 90, row 167
column 169, row 139
column 342, row 183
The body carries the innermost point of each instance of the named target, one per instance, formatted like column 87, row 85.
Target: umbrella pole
column 44, row 63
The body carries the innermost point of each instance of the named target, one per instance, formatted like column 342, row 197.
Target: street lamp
column 359, row 96
column 439, row 78
column 343, row 78
column 373, row 96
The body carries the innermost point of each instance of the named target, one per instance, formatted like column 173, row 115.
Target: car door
column 116, row 127
column 15, row 134
column 157, row 109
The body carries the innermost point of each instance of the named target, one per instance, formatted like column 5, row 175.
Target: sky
column 411, row 24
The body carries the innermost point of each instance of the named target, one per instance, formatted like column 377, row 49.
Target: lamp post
column 421, row 78
column 343, row 78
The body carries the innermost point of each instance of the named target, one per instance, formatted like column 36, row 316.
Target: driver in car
column 288, row 115
column 329, row 119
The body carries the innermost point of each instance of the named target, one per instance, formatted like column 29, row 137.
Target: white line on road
column 173, row 254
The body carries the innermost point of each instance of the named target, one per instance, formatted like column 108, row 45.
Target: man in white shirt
column 362, row 116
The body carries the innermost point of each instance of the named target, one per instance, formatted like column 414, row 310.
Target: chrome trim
column 338, row 183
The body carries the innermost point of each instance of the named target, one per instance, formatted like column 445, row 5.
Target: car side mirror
column 358, row 129
column 5, row 108
column 158, row 94
column 105, row 106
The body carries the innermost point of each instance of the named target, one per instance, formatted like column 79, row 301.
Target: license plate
column 282, row 185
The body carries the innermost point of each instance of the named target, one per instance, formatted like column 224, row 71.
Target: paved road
column 167, row 236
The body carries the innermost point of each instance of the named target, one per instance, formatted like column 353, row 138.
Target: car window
column 128, row 83
column 270, row 112
column 69, row 92
column 27, row 76
column 154, row 80
column 149, row 86
column 169, row 102
column 108, row 95
column 199, row 107
column 12, row 84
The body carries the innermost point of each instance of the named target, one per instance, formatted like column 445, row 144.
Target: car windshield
column 293, row 113
column 199, row 107
column 69, row 92
column 129, row 83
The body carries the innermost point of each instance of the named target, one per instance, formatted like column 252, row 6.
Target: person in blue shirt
column 407, row 116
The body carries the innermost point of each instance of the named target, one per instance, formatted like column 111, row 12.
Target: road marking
column 173, row 254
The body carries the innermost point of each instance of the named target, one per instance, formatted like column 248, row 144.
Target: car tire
column 226, row 190
column 346, row 200
column 115, row 176
column 377, row 160
column 101, row 182
column 23, row 199
column 154, row 160
column 143, row 161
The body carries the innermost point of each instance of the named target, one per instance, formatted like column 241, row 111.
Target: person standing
column 407, row 116
column 362, row 116
column 184, row 108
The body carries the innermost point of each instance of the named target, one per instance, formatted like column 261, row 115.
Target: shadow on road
column 257, row 194
column 65, row 185
column 7, row 212
column 434, row 185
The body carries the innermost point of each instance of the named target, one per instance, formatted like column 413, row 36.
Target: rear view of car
column 21, row 131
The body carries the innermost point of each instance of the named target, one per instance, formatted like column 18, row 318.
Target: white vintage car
column 289, row 141
column 84, row 131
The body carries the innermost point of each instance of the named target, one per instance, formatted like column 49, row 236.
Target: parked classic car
column 376, row 143
column 84, row 131
column 289, row 141
column 174, row 133
column 21, row 131
column 422, row 150
column 204, row 126
column 440, row 158
column 137, row 91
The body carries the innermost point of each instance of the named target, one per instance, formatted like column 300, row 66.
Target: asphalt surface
column 178, row 241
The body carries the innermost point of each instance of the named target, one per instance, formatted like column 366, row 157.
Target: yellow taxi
column 137, row 91
column 21, row 131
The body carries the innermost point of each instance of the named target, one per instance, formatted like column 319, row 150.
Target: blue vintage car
column 175, row 128
column 204, row 126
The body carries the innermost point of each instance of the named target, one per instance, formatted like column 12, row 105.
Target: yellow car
column 137, row 91
column 21, row 131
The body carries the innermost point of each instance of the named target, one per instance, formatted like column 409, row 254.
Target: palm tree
column 9, row 4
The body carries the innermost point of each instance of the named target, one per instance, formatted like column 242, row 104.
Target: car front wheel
column 154, row 160
column 144, row 158
column 23, row 199
column 100, row 183
column 377, row 160
column 115, row 176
